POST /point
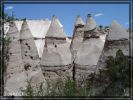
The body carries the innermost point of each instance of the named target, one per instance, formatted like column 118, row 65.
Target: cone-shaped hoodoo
column 89, row 52
column 56, row 55
column 117, row 32
column 30, row 55
column 78, row 34
column 90, row 23
column 15, row 73
column 79, row 21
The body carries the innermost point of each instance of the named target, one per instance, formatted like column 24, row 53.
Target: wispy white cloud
column 9, row 7
column 98, row 14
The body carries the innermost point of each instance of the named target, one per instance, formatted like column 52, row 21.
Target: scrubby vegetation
column 4, row 42
column 68, row 87
column 4, row 57
column 113, row 80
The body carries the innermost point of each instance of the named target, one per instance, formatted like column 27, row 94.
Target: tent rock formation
column 15, row 68
column 117, row 38
column 56, row 59
column 77, row 36
column 43, row 51
column 89, row 51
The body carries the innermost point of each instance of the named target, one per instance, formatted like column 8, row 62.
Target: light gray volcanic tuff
column 30, row 56
column 15, row 77
column 90, row 23
column 78, row 35
column 117, row 38
column 117, row 32
column 89, row 52
column 23, row 64
column 38, row 29
column 56, row 51
column 79, row 21
column 28, row 48
column 56, row 29
column 44, row 52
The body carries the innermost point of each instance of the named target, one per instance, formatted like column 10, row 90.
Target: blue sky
column 102, row 13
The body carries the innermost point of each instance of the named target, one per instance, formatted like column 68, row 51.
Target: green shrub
column 113, row 80
column 31, row 91
column 115, row 77
column 28, row 91
column 68, row 87
column 118, row 69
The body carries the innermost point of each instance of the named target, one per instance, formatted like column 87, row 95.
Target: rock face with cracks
column 30, row 56
column 23, row 64
column 89, row 52
column 15, row 76
column 40, row 50
column 117, row 38
column 56, row 61
column 77, row 36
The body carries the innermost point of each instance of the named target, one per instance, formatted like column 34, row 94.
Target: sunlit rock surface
column 117, row 38
column 38, row 29
column 30, row 56
column 57, row 58
column 89, row 51
column 77, row 36
column 40, row 50
column 15, row 76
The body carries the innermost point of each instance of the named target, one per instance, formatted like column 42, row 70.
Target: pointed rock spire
column 117, row 38
column 57, row 58
column 12, row 32
column 55, row 44
column 25, row 32
column 90, row 23
column 89, row 52
column 30, row 55
column 117, row 32
column 90, row 30
column 38, row 30
column 15, row 68
column 56, row 29
column 78, row 34
column 79, row 21
column 28, row 48
column 57, row 20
